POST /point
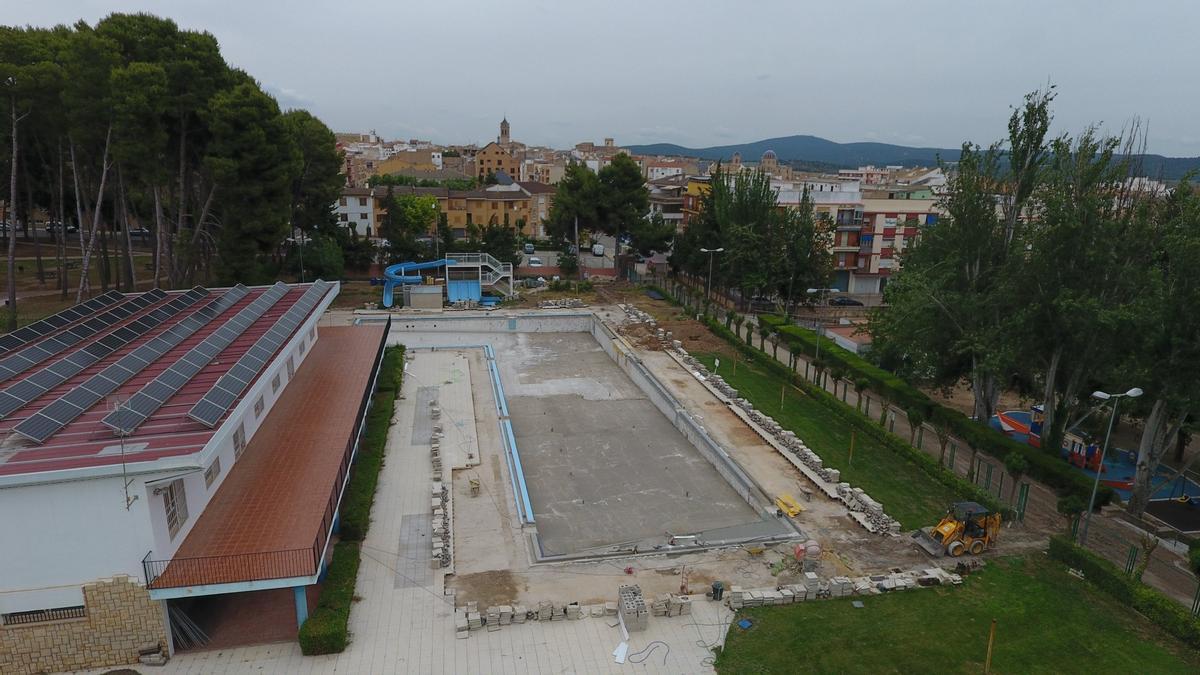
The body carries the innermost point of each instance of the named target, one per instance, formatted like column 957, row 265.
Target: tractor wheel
column 976, row 547
column 956, row 549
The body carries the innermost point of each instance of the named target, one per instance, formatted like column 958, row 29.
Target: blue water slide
column 401, row 273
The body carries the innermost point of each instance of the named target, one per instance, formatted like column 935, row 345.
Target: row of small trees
column 768, row 249
column 1054, row 273
column 134, row 122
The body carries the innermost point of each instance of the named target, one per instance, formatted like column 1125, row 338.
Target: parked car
column 762, row 303
column 55, row 226
column 843, row 301
column 535, row 261
column 140, row 232
column 528, row 249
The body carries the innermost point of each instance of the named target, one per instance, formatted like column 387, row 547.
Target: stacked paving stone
column 635, row 315
column 435, row 439
column 813, row 587
column 873, row 517
column 669, row 604
column 632, row 607
column 439, row 495
column 859, row 502
column 562, row 303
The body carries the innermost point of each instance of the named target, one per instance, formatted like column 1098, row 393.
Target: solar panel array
column 47, row 421
column 14, row 365
column 22, row 393
column 40, row 329
column 209, row 410
column 151, row 397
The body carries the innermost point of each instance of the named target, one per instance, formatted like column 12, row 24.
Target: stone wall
column 121, row 617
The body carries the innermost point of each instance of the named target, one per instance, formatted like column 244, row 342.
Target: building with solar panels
column 171, row 457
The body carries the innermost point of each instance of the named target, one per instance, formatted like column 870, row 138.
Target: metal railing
column 227, row 569
column 266, row 565
column 43, row 615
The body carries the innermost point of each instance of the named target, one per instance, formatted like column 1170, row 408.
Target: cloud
column 289, row 98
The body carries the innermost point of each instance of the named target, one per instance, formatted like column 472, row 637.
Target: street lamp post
column 821, row 294
column 1116, row 399
column 708, row 281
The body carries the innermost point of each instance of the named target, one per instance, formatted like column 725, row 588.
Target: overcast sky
column 700, row 73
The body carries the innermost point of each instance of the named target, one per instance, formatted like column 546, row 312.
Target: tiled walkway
column 403, row 623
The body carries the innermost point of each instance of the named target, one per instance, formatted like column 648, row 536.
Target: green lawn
column 1047, row 622
column 907, row 493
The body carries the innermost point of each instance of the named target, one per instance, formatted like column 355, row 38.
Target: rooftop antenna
column 116, row 403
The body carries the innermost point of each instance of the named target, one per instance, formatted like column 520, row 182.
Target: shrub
column 355, row 511
column 1161, row 610
column 325, row 632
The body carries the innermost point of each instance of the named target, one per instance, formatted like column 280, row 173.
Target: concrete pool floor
column 602, row 464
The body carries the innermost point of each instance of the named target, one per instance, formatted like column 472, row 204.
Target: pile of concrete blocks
column 860, row 502
column 574, row 611
column 435, row 439
column 635, row 315
column 562, row 303
column 632, row 607
column 440, row 523
column 467, row 618
column 670, row 604
column 519, row 613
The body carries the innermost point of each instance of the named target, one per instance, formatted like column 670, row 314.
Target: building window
column 344, row 216
column 342, row 201
column 362, row 216
column 42, row 615
column 362, row 201
column 239, row 441
column 312, row 333
column 291, row 367
column 275, row 383
column 302, row 346
column 258, row 407
column 212, row 472
column 175, row 504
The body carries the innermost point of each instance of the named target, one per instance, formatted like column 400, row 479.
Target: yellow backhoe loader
column 966, row 528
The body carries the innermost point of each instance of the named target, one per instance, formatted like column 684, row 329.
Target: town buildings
column 522, row 206
column 171, row 452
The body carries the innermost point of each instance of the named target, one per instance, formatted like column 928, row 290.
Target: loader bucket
column 927, row 543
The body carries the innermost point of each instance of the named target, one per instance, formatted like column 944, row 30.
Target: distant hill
column 820, row 151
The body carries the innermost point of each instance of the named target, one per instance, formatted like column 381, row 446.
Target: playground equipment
column 966, row 528
column 467, row 275
column 402, row 273
column 1021, row 425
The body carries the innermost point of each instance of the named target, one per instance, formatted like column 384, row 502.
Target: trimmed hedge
column 355, row 513
column 1043, row 466
column 1158, row 608
column 325, row 631
column 925, row 462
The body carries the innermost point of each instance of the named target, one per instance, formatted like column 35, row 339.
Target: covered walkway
column 273, row 515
